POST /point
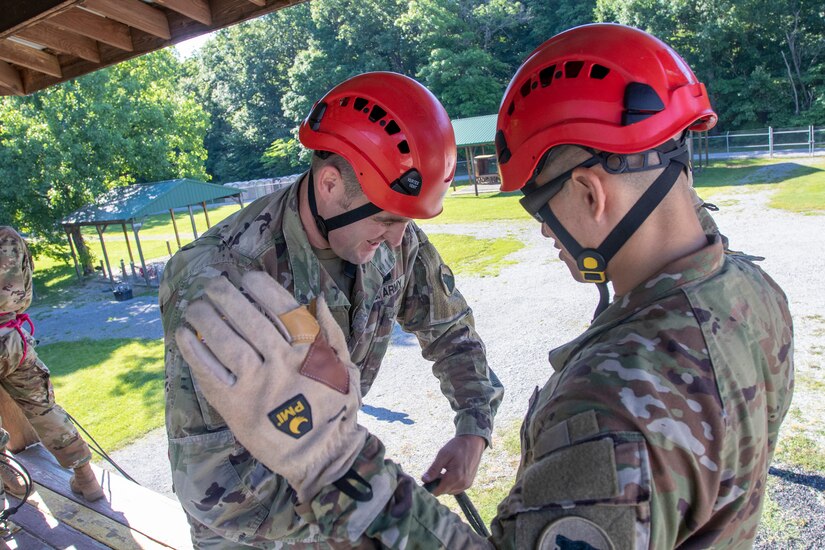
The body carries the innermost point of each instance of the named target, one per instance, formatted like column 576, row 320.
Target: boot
column 12, row 480
column 85, row 483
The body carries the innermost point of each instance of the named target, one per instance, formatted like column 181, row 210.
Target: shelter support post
column 239, row 199
column 140, row 254
column 206, row 214
column 468, row 152
column 175, row 225
column 128, row 246
column 192, row 219
column 105, row 254
column 74, row 256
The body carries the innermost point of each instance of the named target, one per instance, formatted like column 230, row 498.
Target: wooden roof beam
column 259, row 2
column 133, row 13
column 193, row 9
column 22, row 13
column 10, row 79
column 96, row 27
column 31, row 58
column 61, row 41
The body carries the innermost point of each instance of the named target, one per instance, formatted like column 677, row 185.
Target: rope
column 15, row 465
column 95, row 446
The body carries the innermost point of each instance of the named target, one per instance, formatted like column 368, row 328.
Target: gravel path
column 550, row 309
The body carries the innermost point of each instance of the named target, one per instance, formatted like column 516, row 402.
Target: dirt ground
column 531, row 307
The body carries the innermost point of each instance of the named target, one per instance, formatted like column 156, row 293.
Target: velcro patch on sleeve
column 582, row 472
column 574, row 533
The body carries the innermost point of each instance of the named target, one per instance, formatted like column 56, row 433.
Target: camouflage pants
column 29, row 385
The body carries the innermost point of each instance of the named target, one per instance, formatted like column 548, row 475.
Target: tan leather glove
column 283, row 381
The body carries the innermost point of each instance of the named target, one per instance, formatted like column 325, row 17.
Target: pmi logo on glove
column 293, row 417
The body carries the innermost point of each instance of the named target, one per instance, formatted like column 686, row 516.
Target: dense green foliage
column 763, row 61
column 242, row 96
column 62, row 147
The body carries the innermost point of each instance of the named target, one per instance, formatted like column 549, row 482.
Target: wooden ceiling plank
column 259, row 2
column 62, row 41
column 96, row 27
column 224, row 13
column 133, row 13
column 193, row 9
column 10, row 78
column 20, row 14
column 31, row 58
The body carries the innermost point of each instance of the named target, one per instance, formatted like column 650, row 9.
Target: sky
column 187, row 48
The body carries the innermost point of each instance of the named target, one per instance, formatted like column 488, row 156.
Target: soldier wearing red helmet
column 660, row 420
column 383, row 152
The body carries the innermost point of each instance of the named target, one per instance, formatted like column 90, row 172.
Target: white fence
column 251, row 190
column 762, row 142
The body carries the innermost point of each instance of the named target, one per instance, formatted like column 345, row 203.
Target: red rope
column 17, row 324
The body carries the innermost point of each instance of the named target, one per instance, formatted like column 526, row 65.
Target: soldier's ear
column 589, row 192
column 329, row 183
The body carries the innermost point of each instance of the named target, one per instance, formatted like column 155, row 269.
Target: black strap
column 343, row 484
column 640, row 211
column 336, row 222
column 466, row 505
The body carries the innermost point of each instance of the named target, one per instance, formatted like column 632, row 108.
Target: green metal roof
column 477, row 130
column 123, row 204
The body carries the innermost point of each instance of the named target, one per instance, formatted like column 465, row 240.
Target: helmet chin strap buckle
column 592, row 266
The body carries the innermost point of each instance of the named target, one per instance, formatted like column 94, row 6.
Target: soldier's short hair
column 352, row 188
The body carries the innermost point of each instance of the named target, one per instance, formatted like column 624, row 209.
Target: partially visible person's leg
column 30, row 387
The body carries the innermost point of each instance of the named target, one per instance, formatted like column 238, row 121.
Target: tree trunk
column 84, row 255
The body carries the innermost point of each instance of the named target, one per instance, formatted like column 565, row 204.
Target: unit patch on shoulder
column 574, row 533
column 294, row 417
column 447, row 279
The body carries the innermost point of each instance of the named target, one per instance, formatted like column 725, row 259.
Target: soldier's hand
column 282, row 379
column 456, row 464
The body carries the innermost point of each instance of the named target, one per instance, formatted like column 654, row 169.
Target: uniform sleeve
column 439, row 316
column 224, row 491
column 401, row 514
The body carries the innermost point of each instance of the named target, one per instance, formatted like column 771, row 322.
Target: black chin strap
column 592, row 263
column 336, row 222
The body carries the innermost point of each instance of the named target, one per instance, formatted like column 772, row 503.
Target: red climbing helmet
column 606, row 86
column 394, row 133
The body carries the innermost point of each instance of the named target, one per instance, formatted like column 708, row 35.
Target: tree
column 239, row 77
column 62, row 147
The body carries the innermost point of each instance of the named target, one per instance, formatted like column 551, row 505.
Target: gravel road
column 544, row 308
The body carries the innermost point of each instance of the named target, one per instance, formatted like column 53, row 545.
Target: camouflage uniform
column 22, row 374
column 656, row 430
column 225, row 492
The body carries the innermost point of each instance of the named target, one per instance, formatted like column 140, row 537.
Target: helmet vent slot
column 525, row 89
column 359, row 103
column 392, row 128
column 511, row 108
column 546, row 75
column 573, row 68
column 377, row 113
column 404, row 147
column 598, row 71
column 344, row 102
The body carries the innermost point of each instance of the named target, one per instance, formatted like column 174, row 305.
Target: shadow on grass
column 144, row 375
column 750, row 174
column 809, row 480
column 52, row 283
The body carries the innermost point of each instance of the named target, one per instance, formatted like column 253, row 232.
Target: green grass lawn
column 470, row 256
column 484, row 208
column 114, row 388
column 800, row 187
